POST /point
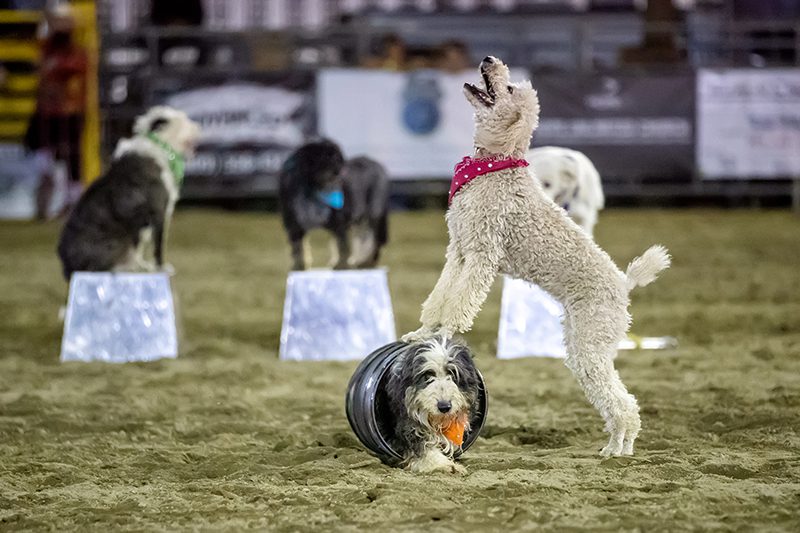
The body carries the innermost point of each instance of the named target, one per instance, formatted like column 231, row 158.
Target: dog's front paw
column 420, row 335
column 435, row 461
column 167, row 268
column 444, row 332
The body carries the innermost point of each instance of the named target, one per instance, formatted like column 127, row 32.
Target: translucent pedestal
column 530, row 322
column 530, row 325
column 336, row 315
column 119, row 318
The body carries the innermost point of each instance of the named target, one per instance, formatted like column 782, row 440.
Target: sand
column 228, row 438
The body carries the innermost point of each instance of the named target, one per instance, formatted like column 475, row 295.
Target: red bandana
column 469, row 169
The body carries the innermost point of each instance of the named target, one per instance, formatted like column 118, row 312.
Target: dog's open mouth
column 486, row 97
column 452, row 427
column 483, row 97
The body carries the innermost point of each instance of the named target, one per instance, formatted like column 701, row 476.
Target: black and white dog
column 130, row 207
column 433, row 391
column 319, row 189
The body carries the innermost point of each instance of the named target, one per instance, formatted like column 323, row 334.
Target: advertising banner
column 748, row 123
column 632, row 126
column 418, row 124
column 248, row 129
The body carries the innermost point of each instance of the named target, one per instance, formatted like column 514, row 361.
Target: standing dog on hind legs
column 500, row 221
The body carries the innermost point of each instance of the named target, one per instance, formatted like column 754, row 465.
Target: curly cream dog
column 502, row 222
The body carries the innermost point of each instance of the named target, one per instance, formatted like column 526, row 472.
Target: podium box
column 530, row 325
column 530, row 322
column 119, row 318
column 336, row 315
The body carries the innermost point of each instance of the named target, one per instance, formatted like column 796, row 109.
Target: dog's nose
column 488, row 60
column 444, row 406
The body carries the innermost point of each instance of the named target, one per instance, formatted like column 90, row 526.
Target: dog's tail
column 645, row 268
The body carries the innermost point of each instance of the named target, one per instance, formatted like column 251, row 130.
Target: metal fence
column 239, row 42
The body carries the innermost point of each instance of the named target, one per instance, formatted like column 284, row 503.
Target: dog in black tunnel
column 320, row 189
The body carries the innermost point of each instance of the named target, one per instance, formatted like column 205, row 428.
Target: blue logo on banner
column 421, row 103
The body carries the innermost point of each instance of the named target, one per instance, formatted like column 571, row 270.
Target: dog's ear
column 467, row 372
column 402, row 376
column 157, row 124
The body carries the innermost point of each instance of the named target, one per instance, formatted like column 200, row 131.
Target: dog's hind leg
column 364, row 245
column 590, row 357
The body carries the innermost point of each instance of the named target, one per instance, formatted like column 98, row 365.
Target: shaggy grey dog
column 429, row 387
column 502, row 222
column 129, row 208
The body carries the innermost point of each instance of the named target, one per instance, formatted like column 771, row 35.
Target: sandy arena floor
column 228, row 438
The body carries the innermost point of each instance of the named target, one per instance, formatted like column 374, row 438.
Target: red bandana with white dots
column 469, row 169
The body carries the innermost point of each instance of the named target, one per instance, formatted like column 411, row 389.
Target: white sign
column 336, row 315
column 417, row 124
column 748, row 123
column 244, row 113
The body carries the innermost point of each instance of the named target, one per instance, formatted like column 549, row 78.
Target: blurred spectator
column 659, row 43
column 179, row 51
column 767, row 49
column 176, row 12
column 454, row 57
column 393, row 54
column 56, row 127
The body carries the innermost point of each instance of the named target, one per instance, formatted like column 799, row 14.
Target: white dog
column 570, row 179
column 500, row 221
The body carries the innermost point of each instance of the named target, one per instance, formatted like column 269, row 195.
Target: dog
column 431, row 386
column 570, row 179
column 501, row 221
column 130, row 207
column 319, row 189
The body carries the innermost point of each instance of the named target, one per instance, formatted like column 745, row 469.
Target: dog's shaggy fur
column 503, row 222
column 570, row 179
column 130, row 207
column 360, row 226
column 429, row 386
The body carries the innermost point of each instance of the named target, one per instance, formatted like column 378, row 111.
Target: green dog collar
column 177, row 163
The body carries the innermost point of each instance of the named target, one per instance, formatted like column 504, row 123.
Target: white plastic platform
column 336, row 315
column 119, row 318
column 530, row 322
column 530, row 325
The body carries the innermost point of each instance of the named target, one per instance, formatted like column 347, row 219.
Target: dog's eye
column 546, row 184
column 510, row 89
column 428, row 376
